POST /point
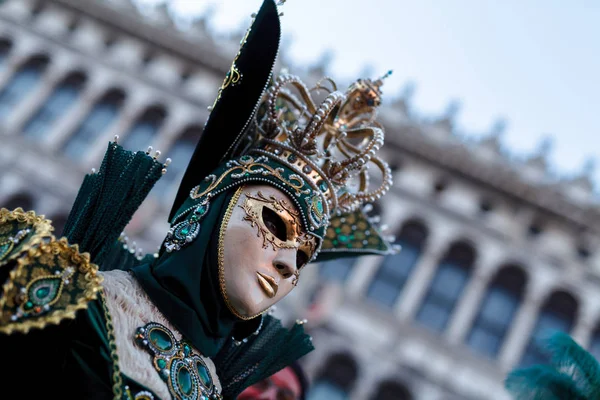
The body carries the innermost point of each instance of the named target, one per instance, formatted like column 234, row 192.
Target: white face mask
column 262, row 249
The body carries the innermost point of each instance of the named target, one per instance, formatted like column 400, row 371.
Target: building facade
column 495, row 251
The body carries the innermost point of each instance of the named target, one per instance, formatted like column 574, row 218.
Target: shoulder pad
column 49, row 280
column 19, row 231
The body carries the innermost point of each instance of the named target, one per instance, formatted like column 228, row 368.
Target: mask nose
column 285, row 262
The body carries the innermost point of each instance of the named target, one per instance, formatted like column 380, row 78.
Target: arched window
column 21, row 84
column 141, row 134
column 391, row 390
column 5, row 46
column 180, row 154
column 497, row 311
column 336, row 379
column 450, row 279
column 57, row 104
column 557, row 314
column 23, row 200
column 395, row 269
column 103, row 114
column 595, row 343
column 337, row 269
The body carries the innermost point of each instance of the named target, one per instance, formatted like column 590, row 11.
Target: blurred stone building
column 495, row 250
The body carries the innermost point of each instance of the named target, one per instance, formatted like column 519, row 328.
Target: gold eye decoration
column 279, row 224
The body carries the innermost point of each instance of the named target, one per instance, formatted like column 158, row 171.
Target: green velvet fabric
column 71, row 360
column 184, row 285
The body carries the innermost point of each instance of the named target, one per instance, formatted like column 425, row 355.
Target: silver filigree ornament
column 186, row 231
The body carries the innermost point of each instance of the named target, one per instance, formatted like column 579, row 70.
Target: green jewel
column 204, row 374
column 5, row 248
column 246, row 159
column 185, row 230
column 323, row 186
column 160, row 339
column 338, row 230
column 162, row 363
column 201, row 210
column 343, row 238
column 184, row 380
column 28, row 305
column 43, row 291
column 194, row 218
column 186, row 349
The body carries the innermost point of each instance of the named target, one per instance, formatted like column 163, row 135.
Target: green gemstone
column 343, row 238
column 184, row 380
column 204, row 375
column 194, row 218
column 185, row 230
column 160, row 339
column 338, row 230
column 201, row 210
column 186, row 349
column 161, row 363
column 28, row 305
column 42, row 292
column 4, row 249
column 323, row 186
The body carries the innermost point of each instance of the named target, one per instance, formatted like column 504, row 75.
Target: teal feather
column 108, row 199
column 573, row 373
column 542, row 382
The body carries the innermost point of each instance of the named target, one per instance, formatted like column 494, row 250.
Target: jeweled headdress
column 320, row 153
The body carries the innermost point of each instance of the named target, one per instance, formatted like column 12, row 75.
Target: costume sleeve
column 47, row 288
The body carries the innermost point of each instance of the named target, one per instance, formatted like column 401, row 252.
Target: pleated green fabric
column 107, row 200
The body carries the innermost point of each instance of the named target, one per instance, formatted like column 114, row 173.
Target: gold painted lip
column 267, row 283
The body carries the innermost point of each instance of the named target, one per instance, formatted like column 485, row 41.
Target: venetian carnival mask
column 262, row 250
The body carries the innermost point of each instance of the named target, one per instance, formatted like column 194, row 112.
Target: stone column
column 132, row 108
column 362, row 274
column 33, row 101
column 418, row 283
column 520, row 331
column 11, row 66
column 585, row 324
column 470, row 301
column 91, row 92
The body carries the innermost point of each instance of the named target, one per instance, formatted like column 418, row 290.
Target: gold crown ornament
column 322, row 154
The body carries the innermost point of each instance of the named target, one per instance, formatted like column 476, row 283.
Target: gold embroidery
column 50, row 283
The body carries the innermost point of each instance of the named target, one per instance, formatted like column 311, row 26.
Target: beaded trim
column 32, row 229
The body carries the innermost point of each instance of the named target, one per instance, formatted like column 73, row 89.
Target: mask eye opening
column 274, row 223
column 301, row 259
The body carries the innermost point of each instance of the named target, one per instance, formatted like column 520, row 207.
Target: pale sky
column 535, row 63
